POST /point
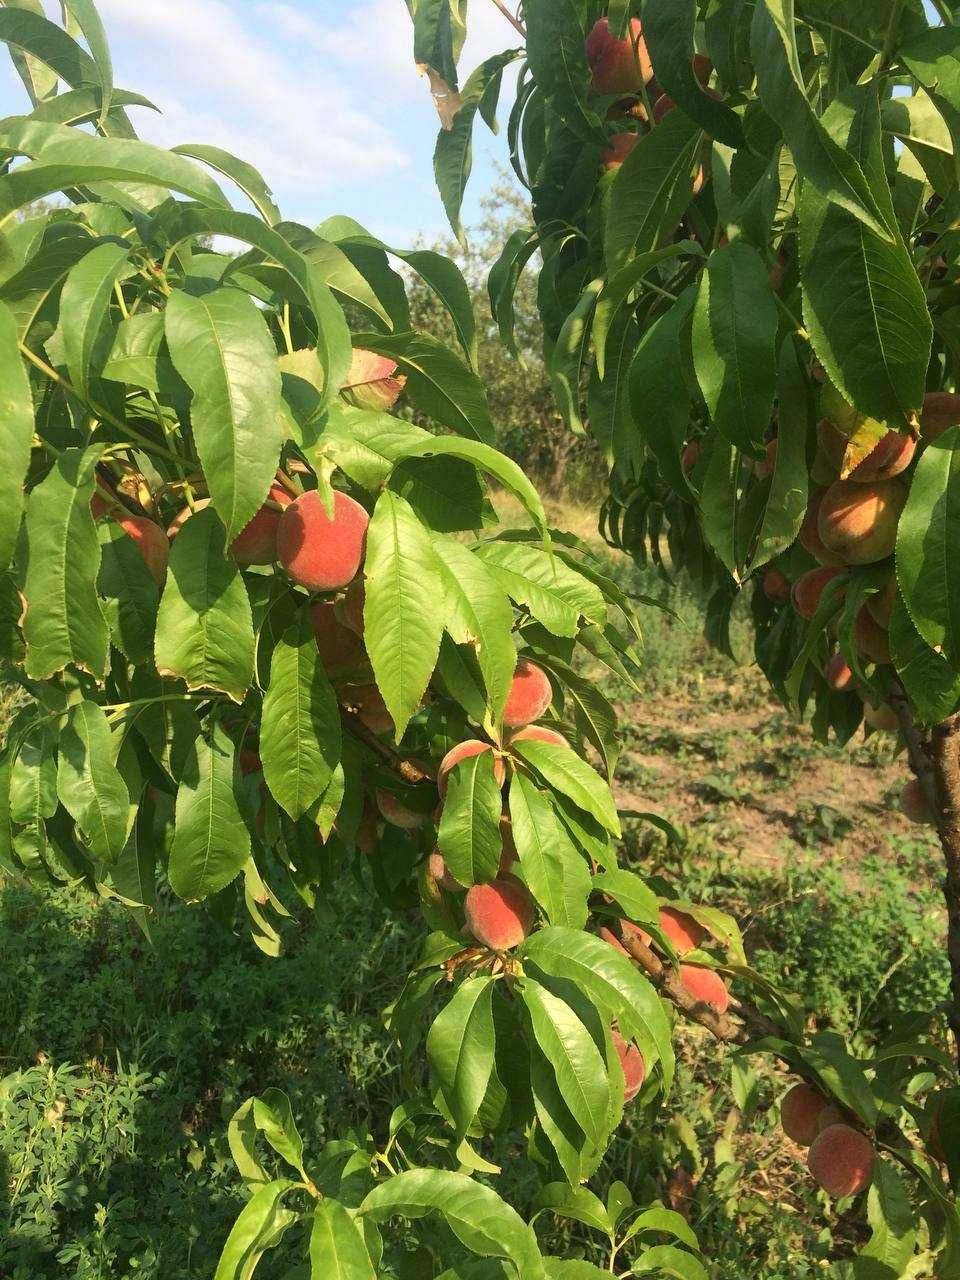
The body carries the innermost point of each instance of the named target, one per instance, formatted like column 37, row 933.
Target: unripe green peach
column 800, row 1109
column 463, row 751
column 319, row 553
column 841, row 1160
column 499, row 914
column 858, row 522
column 706, row 986
column 809, row 588
column 530, row 695
column 634, row 1067
column 618, row 66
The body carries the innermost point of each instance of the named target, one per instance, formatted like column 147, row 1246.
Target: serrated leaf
column 469, row 835
column 246, row 177
column 553, row 869
column 460, row 1049
column 668, row 29
column 577, row 1062
column 555, row 594
column 571, row 775
column 130, row 594
column 16, row 433
column 261, row 1222
column 928, row 544
column 89, row 785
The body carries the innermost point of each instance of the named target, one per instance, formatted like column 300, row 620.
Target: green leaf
column 863, row 303
column 446, row 280
column 892, row 1220
column 480, row 1220
column 555, row 594
column 84, row 309
column 630, row 893
column 662, row 1220
column 32, row 34
column 439, row 30
column 337, row 1250
column 211, row 842
column 932, row 683
column 734, row 338
column 553, row 870
column 719, row 501
column 577, row 1062
column 652, row 189
column 827, row 166
column 367, row 445
column 261, row 1223
column 16, row 434
column 667, row 1260
column 402, row 624
column 928, row 546
column 273, row 1116
column 566, row 360
column 453, row 155
column 91, row 26
column 619, row 287
column 469, row 835
column 558, row 61
column 205, row 624
column 578, row 1203
column 460, row 1049
column 477, row 612
column 245, row 176
column 32, row 781
column 503, row 280
column 64, row 622
column 571, row 775
column 659, row 400
column 300, row 726
column 438, row 382
column 130, row 594
column 221, row 347
column 668, row 29
column 89, row 784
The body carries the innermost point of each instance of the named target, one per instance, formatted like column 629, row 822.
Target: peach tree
column 743, row 220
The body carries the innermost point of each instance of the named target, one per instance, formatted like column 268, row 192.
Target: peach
column 609, row 936
column 828, row 1116
column 463, row 751
column 339, row 647
column 841, row 1160
column 621, row 144
column 396, row 812
column 538, row 733
column 858, row 522
column 499, row 914
column 249, row 761
column 706, row 986
column 913, row 803
column 799, row 1110
column 101, row 503
column 776, row 586
column 941, row 411
column 257, row 542
column 319, row 553
column 665, row 104
column 891, row 454
column 690, row 455
column 881, row 605
column 809, row 536
column 183, row 515
column 870, row 638
column 837, row 673
column 372, row 381
column 634, row 1067
column 350, row 607
column 618, row 66
column 530, row 695
column 808, row 589
column 367, row 704
column 881, row 717
column 682, row 930
column 437, row 868
column 630, row 930
column 151, row 542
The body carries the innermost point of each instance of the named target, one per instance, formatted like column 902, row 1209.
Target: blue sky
column 322, row 96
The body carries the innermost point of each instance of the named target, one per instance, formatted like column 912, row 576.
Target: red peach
column 858, row 522
column 809, row 588
column 249, row 761
column 941, row 411
column 609, row 936
column 319, row 553
column 841, row 1160
column 634, row 1067
column 396, row 812
column 257, row 542
column 463, row 751
column 837, row 673
column 530, row 695
column 438, row 870
column 690, row 455
column 870, row 638
column 621, row 144
column 183, row 515
column 776, row 586
column 499, row 914
column 151, row 543
column 828, row 1116
column 538, row 733
column 706, row 986
column 809, row 535
column 618, row 66
column 681, row 929
column 799, row 1111
column 340, row 648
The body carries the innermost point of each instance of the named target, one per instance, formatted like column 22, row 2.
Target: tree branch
column 412, row 771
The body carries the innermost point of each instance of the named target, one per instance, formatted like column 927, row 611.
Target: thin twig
column 412, row 771
column 514, row 22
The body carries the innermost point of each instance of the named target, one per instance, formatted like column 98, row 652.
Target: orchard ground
column 115, row 1092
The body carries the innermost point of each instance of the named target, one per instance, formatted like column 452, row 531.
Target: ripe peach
column 609, row 936
column 438, row 869
column 706, row 986
column 463, row 751
column 682, row 930
column 621, row 144
column 151, row 543
column 318, row 553
column 499, row 914
column 618, row 66
column 841, row 1160
column 366, row 702
column 249, row 761
column 892, row 454
column 776, row 586
column 634, row 1067
column 858, row 522
column 630, row 930
column 372, row 381
column 882, row 717
column 257, row 542
column 690, row 455
column 809, row 536
column 100, row 503
column 539, row 733
column 837, row 673
column 396, row 812
column 828, row 1116
column 870, row 638
column 350, row 607
column 881, row 604
column 183, row 515
column 339, row 647
column 808, row 589
column 913, row 803
column 665, row 104
column 530, row 695
column 941, row 411
column 799, row 1111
